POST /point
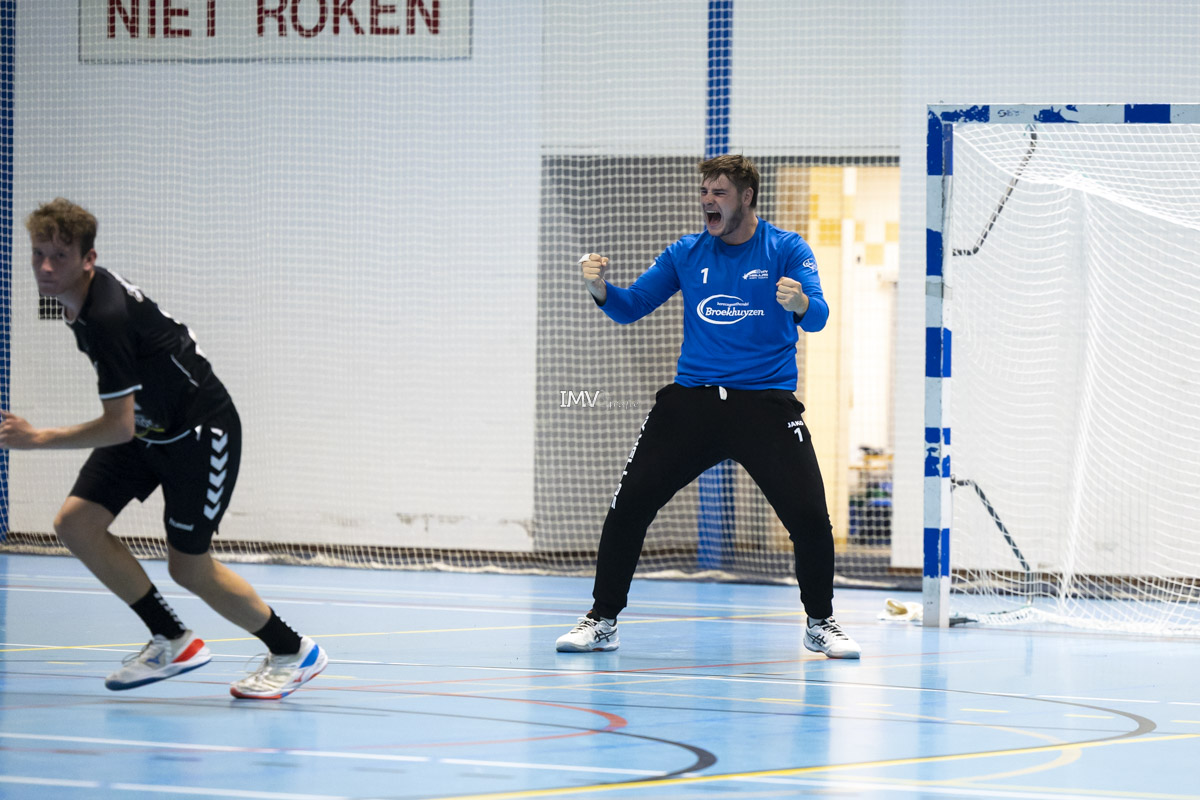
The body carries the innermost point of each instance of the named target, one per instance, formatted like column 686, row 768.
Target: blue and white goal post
column 943, row 122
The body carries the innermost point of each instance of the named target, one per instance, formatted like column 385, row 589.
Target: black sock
column 593, row 614
column 279, row 637
column 157, row 615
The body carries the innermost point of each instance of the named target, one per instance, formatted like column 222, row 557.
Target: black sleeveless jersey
column 138, row 349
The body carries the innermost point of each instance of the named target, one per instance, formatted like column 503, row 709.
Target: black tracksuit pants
column 691, row 429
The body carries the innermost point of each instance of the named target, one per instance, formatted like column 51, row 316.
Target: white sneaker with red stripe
column 278, row 676
column 160, row 658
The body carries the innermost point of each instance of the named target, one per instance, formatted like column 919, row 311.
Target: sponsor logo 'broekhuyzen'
column 116, row 31
column 725, row 309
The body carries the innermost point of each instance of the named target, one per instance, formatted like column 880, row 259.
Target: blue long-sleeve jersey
column 735, row 333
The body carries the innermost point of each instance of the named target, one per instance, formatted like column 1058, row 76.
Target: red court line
column 615, row 723
column 564, row 674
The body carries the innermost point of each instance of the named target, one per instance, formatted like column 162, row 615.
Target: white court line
column 171, row 595
column 414, row 593
column 54, row 591
column 131, row 648
column 1097, row 699
column 82, row 577
column 49, row 781
column 141, row 787
column 220, row 748
column 343, row 591
column 935, row 690
column 193, row 790
column 518, row 765
column 573, row 600
column 549, row 671
column 958, row 790
column 932, row 689
column 215, row 748
column 188, row 596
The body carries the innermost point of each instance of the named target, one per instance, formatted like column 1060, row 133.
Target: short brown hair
column 62, row 218
column 740, row 170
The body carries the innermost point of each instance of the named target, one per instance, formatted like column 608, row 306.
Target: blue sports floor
column 448, row 686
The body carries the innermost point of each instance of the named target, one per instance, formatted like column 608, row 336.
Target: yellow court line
column 784, row 773
column 401, row 633
column 1064, row 758
column 481, row 689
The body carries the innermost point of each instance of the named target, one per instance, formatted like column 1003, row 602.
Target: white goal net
column 1074, row 280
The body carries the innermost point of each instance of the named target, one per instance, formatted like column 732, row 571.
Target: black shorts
column 197, row 474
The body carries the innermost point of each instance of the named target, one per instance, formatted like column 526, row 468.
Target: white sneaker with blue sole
column 160, row 658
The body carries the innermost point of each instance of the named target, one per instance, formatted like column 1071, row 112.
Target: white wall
column 354, row 244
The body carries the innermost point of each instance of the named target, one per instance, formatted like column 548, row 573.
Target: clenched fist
column 594, row 267
column 789, row 295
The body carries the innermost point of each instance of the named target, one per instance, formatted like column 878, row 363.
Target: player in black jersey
column 166, row 421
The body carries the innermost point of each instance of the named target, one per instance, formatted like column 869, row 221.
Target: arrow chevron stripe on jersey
column 216, row 478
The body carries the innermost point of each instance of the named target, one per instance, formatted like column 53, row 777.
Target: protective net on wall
column 371, row 223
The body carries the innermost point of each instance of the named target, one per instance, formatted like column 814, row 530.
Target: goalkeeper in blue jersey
column 747, row 286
